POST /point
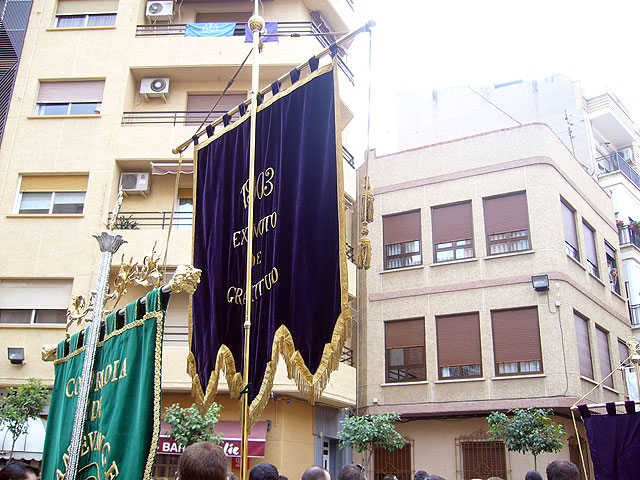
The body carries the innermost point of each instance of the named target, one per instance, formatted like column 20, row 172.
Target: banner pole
column 256, row 24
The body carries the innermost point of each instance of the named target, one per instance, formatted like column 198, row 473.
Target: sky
column 433, row 44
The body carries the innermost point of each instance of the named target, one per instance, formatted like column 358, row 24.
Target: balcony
column 609, row 116
column 285, row 29
column 615, row 162
column 626, row 236
column 634, row 314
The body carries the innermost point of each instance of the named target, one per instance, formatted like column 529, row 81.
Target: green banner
column 123, row 415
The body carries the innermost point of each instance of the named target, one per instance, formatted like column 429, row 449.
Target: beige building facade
column 460, row 229
column 106, row 88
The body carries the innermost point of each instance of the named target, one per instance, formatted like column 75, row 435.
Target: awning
column 167, row 168
column 231, row 439
column 29, row 445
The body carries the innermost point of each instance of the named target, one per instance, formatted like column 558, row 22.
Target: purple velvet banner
column 296, row 277
column 614, row 442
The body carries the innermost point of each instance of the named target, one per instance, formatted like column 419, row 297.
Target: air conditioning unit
column 626, row 154
column 154, row 87
column 160, row 10
column 135, row 182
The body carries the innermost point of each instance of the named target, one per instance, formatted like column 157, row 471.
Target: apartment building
column 104, row 91
column 489, row 290
column 598, row 131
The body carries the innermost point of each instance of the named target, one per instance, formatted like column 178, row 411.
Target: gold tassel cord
column 363, row 256
column 366, row 204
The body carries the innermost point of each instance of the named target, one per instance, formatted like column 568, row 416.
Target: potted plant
column 620, row 224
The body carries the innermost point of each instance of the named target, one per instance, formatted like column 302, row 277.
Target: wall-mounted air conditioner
column 160, row 10
column 135, row 182
column 154, row 87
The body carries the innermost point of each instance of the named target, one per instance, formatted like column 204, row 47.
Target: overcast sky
column 429, row 44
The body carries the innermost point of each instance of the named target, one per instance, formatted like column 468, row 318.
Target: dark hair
column 202, row 460
column 389, row 476
column 352, row 472
column 437, row 477
column 17, row 471
column 420, row 475
column 562, row 470
column 532, row 475
column 315, row 472
column 264, row 471
column 282, row 477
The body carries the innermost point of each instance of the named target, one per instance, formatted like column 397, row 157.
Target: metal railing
column 348, row 157
column 176, row 333
column 161, row 219
column 166, row 117
column 634, row 314
column 615, row 162
column 291, row 29
column 626, row 236
column 347, row 356
column 351, row 4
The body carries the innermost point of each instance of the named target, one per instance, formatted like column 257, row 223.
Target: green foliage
column 21, row 404
column 126, row 223
column 527, row 430
column 364, row 433
column 188, row 426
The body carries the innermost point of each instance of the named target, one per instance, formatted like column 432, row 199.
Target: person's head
column 420, row 475
column 352, row 472
column 494, row 478
column 231, row 476
column 562, row 470
column 435, row 477
column 282, row 477
column 315, row 472
column 202, row 461
column 390, row 476
column 264, row 471
column 18, row 471
column 532, row 475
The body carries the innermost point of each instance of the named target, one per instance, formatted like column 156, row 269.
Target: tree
column 367, row 432
column 527, row 430
column 20, row 405
column 189, row 426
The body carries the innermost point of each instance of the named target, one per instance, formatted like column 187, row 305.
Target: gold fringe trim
column 366, row 204
column 311, row 385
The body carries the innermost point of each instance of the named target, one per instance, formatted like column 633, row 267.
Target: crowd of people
column 207, row 461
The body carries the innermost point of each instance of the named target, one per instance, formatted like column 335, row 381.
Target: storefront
column 169, row 450
column 28, row 447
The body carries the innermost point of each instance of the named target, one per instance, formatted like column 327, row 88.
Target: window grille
column 479, row 457
column 397, row 462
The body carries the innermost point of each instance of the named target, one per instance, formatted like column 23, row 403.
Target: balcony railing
column 291, row 29
column 347, row 356
column 348, row 157
column 628, row 237
column 615, row 162
column 634, row 314
column 159, row 219
column 351, row 4
column 165, row 117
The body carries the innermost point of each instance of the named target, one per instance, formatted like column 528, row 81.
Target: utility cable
column 491, row 103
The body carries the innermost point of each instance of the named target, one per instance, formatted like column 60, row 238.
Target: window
column 570, row 235
column 165, row 466
column 481, row 457
column 604, row 355
column 86, row 13
column 612, row 267
column 516, row 341
column 396, row 461
column 590, row 247
column 52, row 194
column 183, row 216
column 623, row 352
column 70, row 98
column 459, row 353
column 506, row 221
column 404, row 344
column 198, row 107
column 402, row 240
column 584, row 346
column 452, row 232
column 34, row 301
